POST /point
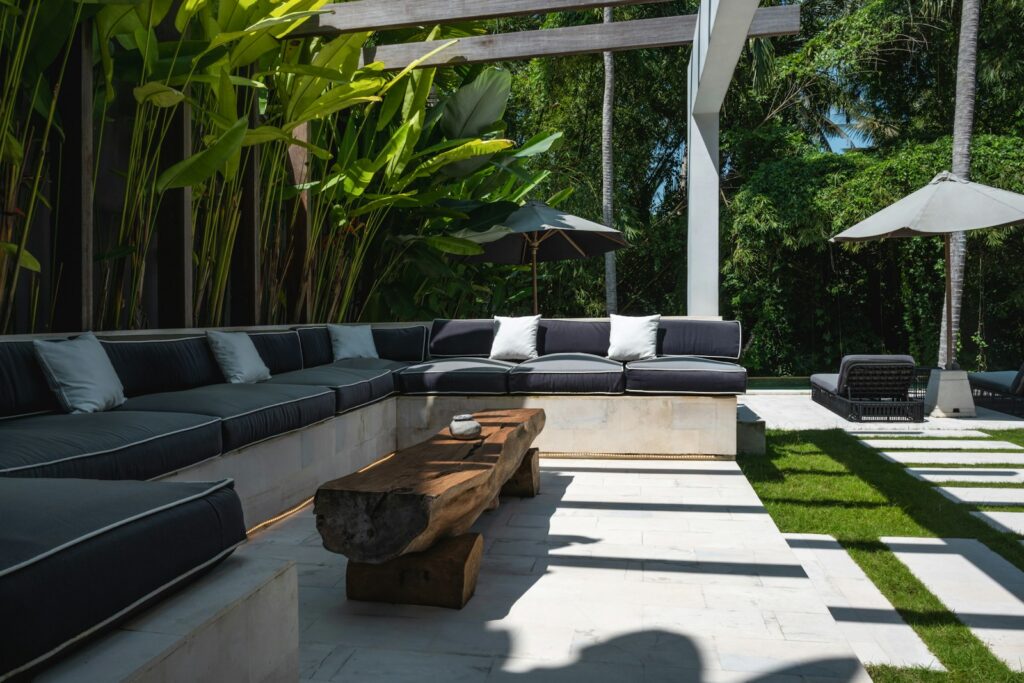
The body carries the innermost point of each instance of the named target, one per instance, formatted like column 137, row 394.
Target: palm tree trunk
column 963, row 130
column 611, row 284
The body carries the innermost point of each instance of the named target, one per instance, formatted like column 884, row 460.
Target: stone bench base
column 239, row 623
column 601, row 425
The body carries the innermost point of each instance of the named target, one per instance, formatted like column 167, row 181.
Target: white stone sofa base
column 238, row 623
column 603, row 425
column 277, row 474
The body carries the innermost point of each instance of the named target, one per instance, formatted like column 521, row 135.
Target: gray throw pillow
column 80, row 373
column 352, row 341
column 237, row 357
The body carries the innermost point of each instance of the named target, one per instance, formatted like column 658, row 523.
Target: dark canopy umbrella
column 537, row 232
column 946, row 205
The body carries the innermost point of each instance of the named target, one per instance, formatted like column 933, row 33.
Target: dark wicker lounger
column 870, row 388
column 1001, row 390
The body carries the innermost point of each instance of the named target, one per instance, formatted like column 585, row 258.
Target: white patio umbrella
column 946, row 205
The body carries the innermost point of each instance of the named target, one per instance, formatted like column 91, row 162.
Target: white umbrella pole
column 948, row 361
column 536, row 307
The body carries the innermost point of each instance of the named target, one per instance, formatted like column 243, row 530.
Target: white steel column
column 719, row 37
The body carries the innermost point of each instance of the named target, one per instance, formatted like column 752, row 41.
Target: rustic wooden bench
column 403, row 522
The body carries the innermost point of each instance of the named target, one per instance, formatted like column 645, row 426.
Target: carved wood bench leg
column 525, row 482
column 443, row 576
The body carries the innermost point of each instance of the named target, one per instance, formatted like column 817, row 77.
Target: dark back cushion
column 456, row 338
column 876, row 376
column 1018, row 384
column 281, row 351
column 155, row 366
column 23, row 387
column 573, row 336
column 403, row 343
column 316, row 346
column 709, row 338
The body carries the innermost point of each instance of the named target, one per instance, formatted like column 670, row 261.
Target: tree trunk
column 611, row 284
column 963, row 130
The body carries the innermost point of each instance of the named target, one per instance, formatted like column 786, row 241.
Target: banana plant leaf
column 27, row 260
column 203, row 165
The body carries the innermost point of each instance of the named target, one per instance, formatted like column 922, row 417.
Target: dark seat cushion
column 685, row 375
column 999, row 381
column 461, row 338
column 117, row 444
column 407, row 344
column 353, row 388
column 568, row 373
column 281, row 351
column 248, row 412
column 828, row 382
column 155, row 366
column 78, row 555
column 573, row 336
column 707, row 338
column 370, row 364
column 23, row 386
column 456, row 376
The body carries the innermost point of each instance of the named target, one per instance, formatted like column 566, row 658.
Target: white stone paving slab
column 796, row 410
column 941, row 445
column 1009, row 522
column 953, row 458
column 977, row 495
column 922, row 433
column 985, row 591
column 981, row 475
column 617, row 571
column 872, row 626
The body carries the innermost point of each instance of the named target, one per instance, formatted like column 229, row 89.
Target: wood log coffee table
column 403, row 521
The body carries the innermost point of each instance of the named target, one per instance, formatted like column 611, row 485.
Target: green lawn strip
column 977, row 484
column 965, row 466
column 1012, row 435
column 826, row 482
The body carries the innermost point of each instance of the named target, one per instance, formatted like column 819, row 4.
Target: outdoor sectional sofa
column 1001, row 390
column 107, row 512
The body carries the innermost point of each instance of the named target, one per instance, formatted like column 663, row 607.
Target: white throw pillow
column 633, row 338
column 515, row 338
column 352, row 341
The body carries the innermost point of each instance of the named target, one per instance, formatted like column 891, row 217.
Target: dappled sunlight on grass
column 825, row 482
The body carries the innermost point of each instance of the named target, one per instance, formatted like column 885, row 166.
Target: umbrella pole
column 536, row 308
column 949, row 362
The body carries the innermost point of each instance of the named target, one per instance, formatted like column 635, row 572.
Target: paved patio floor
column 796, row 410
column 618, row 571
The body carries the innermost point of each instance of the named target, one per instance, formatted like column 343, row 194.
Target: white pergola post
column 721, row 32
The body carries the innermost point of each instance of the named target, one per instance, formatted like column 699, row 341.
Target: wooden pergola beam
column 575, row 40
column 383, row 15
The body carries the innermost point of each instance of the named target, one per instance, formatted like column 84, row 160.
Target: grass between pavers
column 826, row 482
column 1012, row 435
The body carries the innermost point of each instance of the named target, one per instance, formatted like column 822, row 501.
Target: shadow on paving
column 479, row 642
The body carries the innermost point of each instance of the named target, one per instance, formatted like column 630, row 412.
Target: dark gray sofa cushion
column 456, row 376
column 23, row 387
column 999, row 381
column 248, row 412
column 370, row 364
column 461, row 338
column 77, row 555
column 709, row 338
column 112, row 445
column 573, row 336
column 685, row 375
column 401, row 344
column 353, row 388
column 281, row 351
column 154, row 366
column 405, row 344
column 568, row 373
column 316, row 346
column 827, row 381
